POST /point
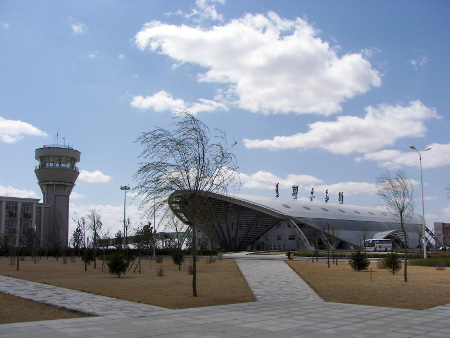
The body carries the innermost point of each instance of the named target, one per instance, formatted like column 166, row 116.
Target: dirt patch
column 426, row 286
column 217, row 283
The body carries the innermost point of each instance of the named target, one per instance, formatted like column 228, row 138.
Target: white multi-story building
column 18, row 216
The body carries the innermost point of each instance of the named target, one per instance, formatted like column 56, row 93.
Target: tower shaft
column 56, row 174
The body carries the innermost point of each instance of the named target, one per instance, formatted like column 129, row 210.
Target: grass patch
column 433, row 261
column 426, row 287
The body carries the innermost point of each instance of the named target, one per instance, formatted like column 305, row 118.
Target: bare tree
column 188, row 159
column 95, row 226
column 81, row 225
column 180, row 230
column 397, row 194
column 77, row 237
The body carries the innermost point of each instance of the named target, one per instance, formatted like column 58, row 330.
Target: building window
column 11, row 210
column 292, row 237
column 267, row 237
column 278, row 237
column 10, row 227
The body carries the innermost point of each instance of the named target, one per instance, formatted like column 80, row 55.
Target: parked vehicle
column 378, row 245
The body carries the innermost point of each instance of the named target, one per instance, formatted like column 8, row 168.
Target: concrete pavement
column 286, row 307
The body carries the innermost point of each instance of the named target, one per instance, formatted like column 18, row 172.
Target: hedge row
column 74, row 252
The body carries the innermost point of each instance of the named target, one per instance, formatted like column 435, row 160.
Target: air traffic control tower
column 57, row 174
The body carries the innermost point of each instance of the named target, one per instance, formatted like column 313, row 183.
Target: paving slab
column 285, row 307
column 274, row 279
column 73, row 300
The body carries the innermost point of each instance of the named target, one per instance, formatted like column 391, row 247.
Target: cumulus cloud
column 349, row 188
column 111, row 216
column 78, row 28
column 74, row 195
column 94, row 177
column 438, row 156
column 13, row 130
column 268, row 64
column 267, row 180
column 381, row 126
column 163, row 101
column 14, row 192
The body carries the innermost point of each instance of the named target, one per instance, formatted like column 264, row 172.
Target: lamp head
column 426, row 149
column 412, row 147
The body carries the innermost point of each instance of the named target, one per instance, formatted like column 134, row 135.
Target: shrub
column 392, row 262
column 177, row 257
column 160, row 272
column 358, row 261
column 117, row 263
column 88, row 256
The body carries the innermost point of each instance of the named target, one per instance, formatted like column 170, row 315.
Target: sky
column 319, row 94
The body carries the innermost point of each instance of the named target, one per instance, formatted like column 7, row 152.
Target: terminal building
column 56, row 174
column 253, row 223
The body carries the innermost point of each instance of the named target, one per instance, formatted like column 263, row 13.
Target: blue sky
column 323, row 94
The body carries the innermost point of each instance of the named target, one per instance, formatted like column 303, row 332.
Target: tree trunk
column 194, row 262
column 406, row 247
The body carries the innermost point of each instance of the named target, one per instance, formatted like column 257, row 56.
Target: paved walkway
column 74, row 300
column 285, row 308
column 272, row 279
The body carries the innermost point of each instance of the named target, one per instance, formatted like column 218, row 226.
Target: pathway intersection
column 286, row 307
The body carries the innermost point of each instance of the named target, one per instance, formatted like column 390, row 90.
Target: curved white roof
column 315, row 209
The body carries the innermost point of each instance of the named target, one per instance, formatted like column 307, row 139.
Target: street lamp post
column 125, row 188
column 423, row 205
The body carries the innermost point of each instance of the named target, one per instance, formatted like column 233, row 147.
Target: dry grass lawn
column 16, row 309
column 221, row 283
column 217, row 283
column 426, row 286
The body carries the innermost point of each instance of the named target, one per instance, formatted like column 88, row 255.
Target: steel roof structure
column 239, row 222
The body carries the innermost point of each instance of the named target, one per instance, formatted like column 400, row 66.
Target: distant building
column 256, row 223
column 56, row 174
column 442, row 231
column 19, row 215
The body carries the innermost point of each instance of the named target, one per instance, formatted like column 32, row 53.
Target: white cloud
column 269, row 64
column 94, row 177
column 438, row 156
column 163, row 101
column 446, row 211
column 111, row 216
column 419, row 62
column 78, row 28
column 381, row 126
column 349, row 188
column 13, row 192
column 267, row 180
column 204, row 10
column 74, row 195
column 4, row 25
column 430, row 198
column 121, row 56
column 207, row 9
column 13, row 130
